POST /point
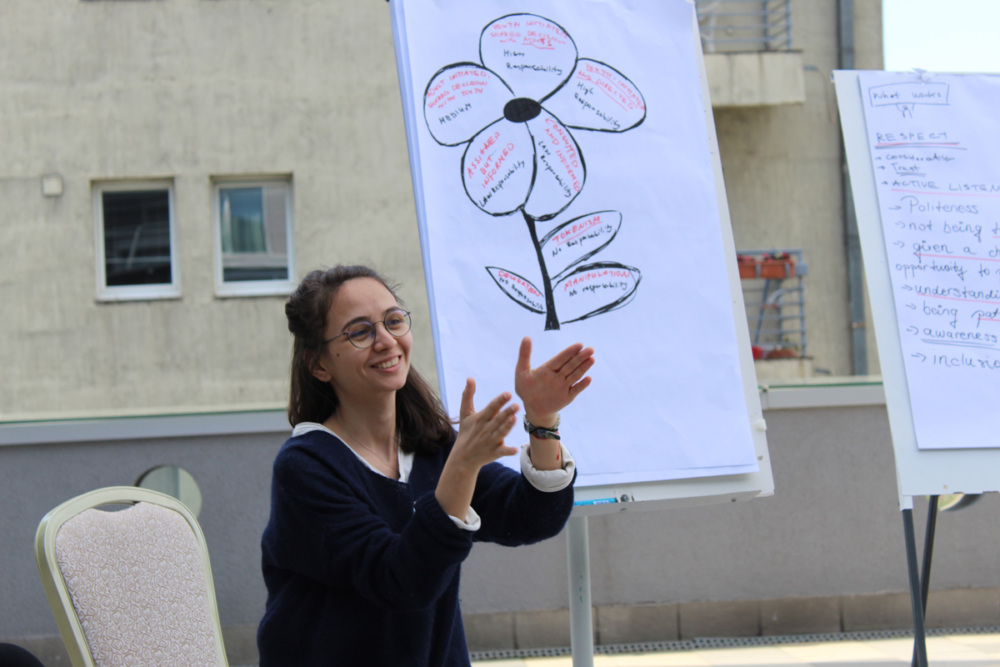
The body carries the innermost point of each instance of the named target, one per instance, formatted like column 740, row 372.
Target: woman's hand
column 481, row 434
column 480, row 441
column 546, row 390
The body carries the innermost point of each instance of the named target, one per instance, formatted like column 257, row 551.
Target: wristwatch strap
column 551, row 433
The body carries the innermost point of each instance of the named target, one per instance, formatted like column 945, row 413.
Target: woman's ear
column 318, row 368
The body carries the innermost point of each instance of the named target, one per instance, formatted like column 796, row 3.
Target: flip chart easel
column 929, row 180
column 434, row 102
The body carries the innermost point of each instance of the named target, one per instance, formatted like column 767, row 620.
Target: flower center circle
column 521, row 110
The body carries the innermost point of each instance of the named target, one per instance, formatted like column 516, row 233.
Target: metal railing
column 744, row 25
column 775, row 298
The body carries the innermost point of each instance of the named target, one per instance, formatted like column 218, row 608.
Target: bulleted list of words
column 935, row 152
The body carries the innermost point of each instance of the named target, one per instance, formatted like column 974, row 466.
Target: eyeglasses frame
column 374, row 334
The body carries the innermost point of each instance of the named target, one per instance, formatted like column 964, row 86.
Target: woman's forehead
column 361, row 297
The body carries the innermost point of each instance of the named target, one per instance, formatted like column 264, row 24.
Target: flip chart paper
column 564, row 187
column 935, row 153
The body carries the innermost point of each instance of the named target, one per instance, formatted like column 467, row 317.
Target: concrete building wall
column 824, row 554
column 191, row 91
column 784, row 175
column 188, row 90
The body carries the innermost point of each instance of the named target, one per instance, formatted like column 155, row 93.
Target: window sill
column 138, row 293
column 250, row 289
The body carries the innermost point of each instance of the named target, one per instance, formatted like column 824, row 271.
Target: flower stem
column 551, row 320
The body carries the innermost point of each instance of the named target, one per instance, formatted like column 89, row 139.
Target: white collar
column 404, row 459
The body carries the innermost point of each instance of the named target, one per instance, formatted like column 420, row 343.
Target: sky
column 941, row 35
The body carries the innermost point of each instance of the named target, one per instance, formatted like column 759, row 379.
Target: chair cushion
column 138, row 586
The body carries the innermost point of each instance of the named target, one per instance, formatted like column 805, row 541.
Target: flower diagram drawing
column 514, row 112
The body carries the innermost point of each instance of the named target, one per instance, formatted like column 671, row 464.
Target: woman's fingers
column 494, row 415
column 556, row 383
column 523, row 357
column 502, row 423
column 584, row 364
column 558, row 362
column 467, row 407
column 567, row 368
column 484, row 431
column 579, row 387
column 506, row 451
column 493, row 407
column 571, row 363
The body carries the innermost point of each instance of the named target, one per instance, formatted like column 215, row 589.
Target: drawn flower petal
column 598, row 97
column 497, row 167
column 532, row 54
column 560, row 171
column 461, row 100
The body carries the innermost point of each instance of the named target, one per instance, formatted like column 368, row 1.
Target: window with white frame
column 136, row 249
column 253, row 237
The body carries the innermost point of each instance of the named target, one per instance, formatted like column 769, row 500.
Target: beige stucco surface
column 188, row 90
column 191, row 90
column 784, row 176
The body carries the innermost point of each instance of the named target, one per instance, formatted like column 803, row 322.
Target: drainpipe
column 855, row 282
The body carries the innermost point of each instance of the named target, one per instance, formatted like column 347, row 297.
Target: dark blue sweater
column 364, row 570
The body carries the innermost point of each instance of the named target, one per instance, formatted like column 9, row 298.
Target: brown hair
column 421, row 419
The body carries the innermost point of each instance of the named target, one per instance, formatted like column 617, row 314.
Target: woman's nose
column 382, row 336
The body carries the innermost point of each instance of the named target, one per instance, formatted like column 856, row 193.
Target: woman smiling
column 376, row 499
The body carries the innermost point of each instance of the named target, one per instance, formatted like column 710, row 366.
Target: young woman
column 376, row 500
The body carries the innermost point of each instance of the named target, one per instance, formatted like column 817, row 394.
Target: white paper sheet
column 935, row 152
column 566, row 139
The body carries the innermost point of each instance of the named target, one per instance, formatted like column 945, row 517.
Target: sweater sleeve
column 361, row 532
column 548, row 480
column 514, row 512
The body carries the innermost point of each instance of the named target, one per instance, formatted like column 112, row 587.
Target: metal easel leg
column 925, row 573
column 580, row 614
column 919, row 641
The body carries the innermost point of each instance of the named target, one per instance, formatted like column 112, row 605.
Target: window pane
column 136, row 237
column 253, row 230
column 243, row 221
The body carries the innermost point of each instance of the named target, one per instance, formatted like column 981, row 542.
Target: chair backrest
column 132, row 586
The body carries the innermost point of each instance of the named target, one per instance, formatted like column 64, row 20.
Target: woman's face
column 375, row 370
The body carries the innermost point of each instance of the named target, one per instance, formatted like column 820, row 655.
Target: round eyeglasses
column 362, row 334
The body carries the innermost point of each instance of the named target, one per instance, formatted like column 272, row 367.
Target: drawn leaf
column 518, row 288
column 593, row 289
column 578, row 239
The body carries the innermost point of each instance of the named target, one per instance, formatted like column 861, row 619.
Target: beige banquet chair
column 130, row 586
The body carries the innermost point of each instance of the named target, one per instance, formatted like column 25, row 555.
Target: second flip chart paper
column 565, row 191
column 935, row 151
